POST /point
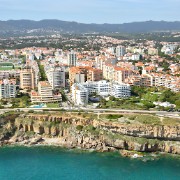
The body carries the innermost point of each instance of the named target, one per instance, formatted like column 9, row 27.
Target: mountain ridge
column 76, row 27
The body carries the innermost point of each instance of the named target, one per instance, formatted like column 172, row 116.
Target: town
column 97, row 71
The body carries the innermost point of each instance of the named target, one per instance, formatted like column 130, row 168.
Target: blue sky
column 91, row 11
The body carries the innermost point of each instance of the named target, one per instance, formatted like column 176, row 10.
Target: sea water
column 51, row 163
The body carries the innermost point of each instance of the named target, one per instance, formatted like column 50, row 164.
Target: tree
column 112, row 98
column 177, row 103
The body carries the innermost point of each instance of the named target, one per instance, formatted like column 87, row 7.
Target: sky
column 91, row 11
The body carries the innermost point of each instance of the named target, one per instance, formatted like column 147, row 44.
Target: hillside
column 75, row 27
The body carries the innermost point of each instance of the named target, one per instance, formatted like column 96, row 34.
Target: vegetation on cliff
column 85, row 130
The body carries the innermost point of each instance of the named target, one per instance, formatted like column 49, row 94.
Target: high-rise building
column 56, row 77
column 27, row 79
column 7, row 88
column 72, row 58
column 120, row 51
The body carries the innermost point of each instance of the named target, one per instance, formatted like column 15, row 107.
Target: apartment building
column 34, row 65
column 83, row 74
column 120, row 51
column 77, row 75
column 100, row 61
column 56, row 77
column 152, row 51
column 94, row 74
column 140, row 80
column 102, row 88
column 72, row 58
column 120, row 90
column 45, row 94
column 79, row 94
column 27, row 78
column 116, row 73
column 7, row 88
column 6, row 74
column 155, row 79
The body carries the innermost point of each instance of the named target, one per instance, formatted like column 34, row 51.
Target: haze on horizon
column 91, row 11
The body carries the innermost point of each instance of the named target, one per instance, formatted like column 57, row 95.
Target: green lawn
column 52, row 105
column 5, row 68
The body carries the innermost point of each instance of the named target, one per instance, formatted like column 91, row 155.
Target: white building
column 135, row 57
column 169, row 48
column 7, row 88
column 79, row 94
column 102, row 88
column 120, row 90
column 120, row 51
column 56, row 77
column 72, row 58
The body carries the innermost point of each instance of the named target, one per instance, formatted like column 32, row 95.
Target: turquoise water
column 51, row 163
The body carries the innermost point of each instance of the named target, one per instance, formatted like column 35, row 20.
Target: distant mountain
column 75, row 27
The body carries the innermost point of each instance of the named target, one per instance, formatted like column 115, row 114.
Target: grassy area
column 5, row 68
column 170, row 121
column 52, row 105
column 21, row 101
column 142, row 98
column 140, row 118
column 148, row 119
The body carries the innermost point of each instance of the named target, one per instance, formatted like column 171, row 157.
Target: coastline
column 83, row 131
column 55, row 143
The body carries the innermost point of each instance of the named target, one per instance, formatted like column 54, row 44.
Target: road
column 163, row 113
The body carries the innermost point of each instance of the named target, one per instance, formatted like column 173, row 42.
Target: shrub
column 114, row 116
column 79, row 127
column 31, row 111
column 132, row 118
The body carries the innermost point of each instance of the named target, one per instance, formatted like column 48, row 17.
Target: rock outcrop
column 73, row 131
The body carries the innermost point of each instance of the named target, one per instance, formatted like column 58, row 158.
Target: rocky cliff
column 71, row 131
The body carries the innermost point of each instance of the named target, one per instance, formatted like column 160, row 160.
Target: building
column 27, row 79
column 72, row 58
column 152, row 51
column 102, row 88
column 135, row 57
column 83, row 74
column 116, row 73
column 120, row 51
column 77, row 75
column 7, row 88
column 6, row 74
column 56, row 77
column 45, row 94
column 94, row 74
column 120, row 90
column 79, row 94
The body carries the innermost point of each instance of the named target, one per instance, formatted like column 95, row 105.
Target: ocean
column 51, row 163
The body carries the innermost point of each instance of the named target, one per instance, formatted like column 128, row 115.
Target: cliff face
column 71, row 131
column 140, row 130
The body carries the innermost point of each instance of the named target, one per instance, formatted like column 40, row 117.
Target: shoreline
column 129, row 135
column 49, row 143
